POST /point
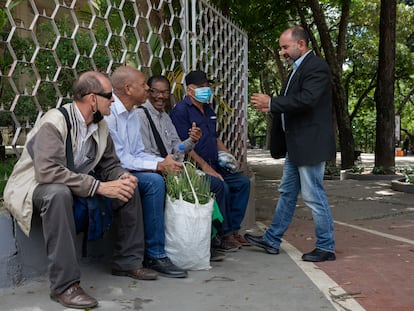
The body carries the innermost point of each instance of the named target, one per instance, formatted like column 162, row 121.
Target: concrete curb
column 402, row 186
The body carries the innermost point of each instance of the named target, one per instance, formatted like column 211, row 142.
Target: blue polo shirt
column 184, row 114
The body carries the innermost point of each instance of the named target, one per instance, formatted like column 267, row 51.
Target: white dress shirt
column 124, row 126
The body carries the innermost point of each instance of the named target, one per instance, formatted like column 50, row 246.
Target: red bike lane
column 375, row 260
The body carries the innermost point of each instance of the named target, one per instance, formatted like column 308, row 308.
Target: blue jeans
column 232, row 196
column 308, row 180
column 152, row 190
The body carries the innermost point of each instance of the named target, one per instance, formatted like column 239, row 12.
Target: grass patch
column 6, row 168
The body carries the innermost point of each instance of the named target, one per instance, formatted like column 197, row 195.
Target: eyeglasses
column 106, row 95
column 156, row 92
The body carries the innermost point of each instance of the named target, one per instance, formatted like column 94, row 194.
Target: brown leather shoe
column 75, row 297
column 239, row 238
column 139, row 274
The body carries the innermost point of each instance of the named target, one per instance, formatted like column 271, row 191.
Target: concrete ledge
column 10, row 268
column 402, row 186
column 23, row 257
column 32, row 250
column 249, row 220
column 357, row 176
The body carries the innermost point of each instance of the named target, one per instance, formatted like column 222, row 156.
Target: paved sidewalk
column 253, row 280
column 246, row 280
column 374, row 231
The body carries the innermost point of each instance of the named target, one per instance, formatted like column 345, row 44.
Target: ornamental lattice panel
column 45, row 45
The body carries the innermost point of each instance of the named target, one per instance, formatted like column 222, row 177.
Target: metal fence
column 45, row 45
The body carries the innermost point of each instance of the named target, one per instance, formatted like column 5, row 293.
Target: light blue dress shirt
column 124, row 127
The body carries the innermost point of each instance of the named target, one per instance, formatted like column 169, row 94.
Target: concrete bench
column 23, row 257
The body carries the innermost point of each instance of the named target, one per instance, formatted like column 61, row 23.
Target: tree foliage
column 356, row 52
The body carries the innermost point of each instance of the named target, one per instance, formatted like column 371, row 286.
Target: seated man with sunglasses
column 48, row 179
column 130, row 90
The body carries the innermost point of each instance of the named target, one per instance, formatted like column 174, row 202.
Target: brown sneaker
column 139, row 274
column 239, row 238
column 75, row 297
column 229, row 242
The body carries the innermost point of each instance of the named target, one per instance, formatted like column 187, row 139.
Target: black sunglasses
column 106, row 95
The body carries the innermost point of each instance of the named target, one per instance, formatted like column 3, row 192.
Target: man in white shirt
column 158, row 100
column 130, row 89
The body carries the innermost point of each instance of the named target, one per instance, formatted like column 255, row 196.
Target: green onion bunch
column 179, row 184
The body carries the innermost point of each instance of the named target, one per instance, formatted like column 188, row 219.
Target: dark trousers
column 54, row 203
column 232, row 196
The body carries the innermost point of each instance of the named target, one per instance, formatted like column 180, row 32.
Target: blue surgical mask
column 202, row 94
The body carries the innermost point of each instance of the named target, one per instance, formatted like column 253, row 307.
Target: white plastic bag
column 188, row 232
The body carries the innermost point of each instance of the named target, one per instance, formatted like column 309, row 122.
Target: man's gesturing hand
column 260, row 102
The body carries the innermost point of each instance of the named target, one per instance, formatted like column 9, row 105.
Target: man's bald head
column 124, row 75
column 88, row 82
column 130, row 86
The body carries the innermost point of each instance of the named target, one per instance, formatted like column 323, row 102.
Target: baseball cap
column 197, row 77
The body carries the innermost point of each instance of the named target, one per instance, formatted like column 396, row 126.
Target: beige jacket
column 43, row 161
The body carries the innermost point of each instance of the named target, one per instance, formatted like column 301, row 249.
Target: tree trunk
column 384, row 93
column 346, row 138
column 343, row 25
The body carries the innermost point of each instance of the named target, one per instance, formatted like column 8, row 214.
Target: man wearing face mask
column 231, row 188
column 158, row 100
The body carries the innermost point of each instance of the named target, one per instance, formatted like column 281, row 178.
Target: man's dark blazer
column 307, row 107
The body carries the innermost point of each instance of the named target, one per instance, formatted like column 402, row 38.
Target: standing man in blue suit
column 303, row 118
